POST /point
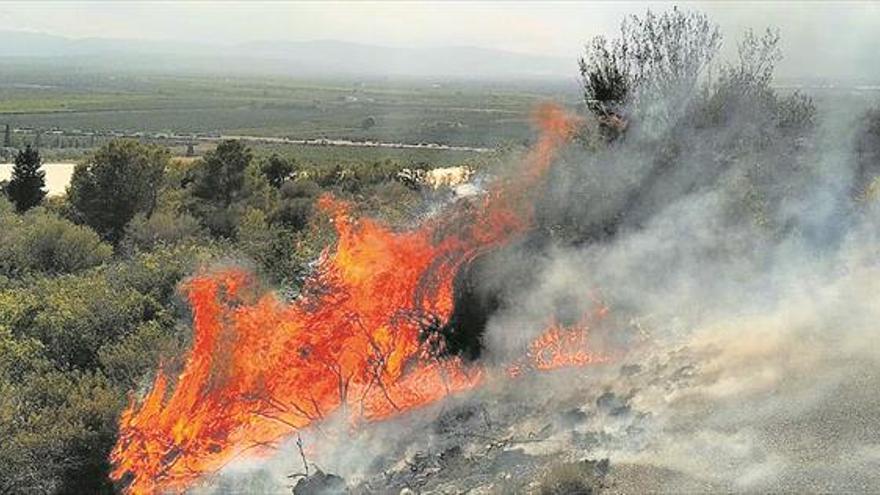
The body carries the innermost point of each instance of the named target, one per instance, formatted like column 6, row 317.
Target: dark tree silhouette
column 368, row 123
column 218, row 182
column 277, row 169
column 25, row 188
column 220, row 178
column 119, row 181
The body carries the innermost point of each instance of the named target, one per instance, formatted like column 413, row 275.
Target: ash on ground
column 539, row 433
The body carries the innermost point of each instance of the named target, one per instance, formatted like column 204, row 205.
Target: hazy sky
column 836, row 36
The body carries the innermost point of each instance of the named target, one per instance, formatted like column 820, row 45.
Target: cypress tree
column 25, row 188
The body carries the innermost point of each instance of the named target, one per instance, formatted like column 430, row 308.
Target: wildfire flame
column 561, row 346
column 260, row 369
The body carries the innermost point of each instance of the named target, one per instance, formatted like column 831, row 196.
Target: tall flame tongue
column 259, row 368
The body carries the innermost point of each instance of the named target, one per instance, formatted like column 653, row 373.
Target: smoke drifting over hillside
column 697, row 273
column 738, row 265
column 753, row 274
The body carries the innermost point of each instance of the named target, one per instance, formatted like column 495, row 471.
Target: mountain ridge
column 315, row 57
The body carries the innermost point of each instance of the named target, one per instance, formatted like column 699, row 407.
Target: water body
column 57, row 175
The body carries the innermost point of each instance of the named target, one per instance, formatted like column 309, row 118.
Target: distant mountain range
column 309, row 58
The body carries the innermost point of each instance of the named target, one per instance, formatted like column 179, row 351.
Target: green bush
column 137, row 355
column 217, row 182
column 296, row 204
column 73, row 316
column 258, row 192
column 161, row 228
column 277, row 169
column 39, row 242
column 57, row 427
column 157, row 273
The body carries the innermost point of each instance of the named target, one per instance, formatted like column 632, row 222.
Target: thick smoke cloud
column 743, row 254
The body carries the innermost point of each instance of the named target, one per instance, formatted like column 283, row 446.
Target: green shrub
column 217, row 182
column 57, row 427
column 157, row 273
column 161, row 228
column 73, row 316
column 39, row 242
column 137, row 355
column 277, row 169
column 296, row 204
column 6, row 207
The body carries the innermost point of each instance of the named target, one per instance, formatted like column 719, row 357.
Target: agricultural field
column 453, row 113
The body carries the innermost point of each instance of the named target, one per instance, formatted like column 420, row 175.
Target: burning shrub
column 351, row 340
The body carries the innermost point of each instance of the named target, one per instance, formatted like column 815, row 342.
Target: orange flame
column 561, row 346
column 259, row 369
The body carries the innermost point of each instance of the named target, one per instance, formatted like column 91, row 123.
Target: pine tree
column 25, row 188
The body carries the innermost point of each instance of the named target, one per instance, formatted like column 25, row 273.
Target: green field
column 458, row 114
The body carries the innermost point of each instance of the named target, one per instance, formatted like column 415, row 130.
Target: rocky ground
column 542, row 433
column 752, row 417
column 751, row 406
